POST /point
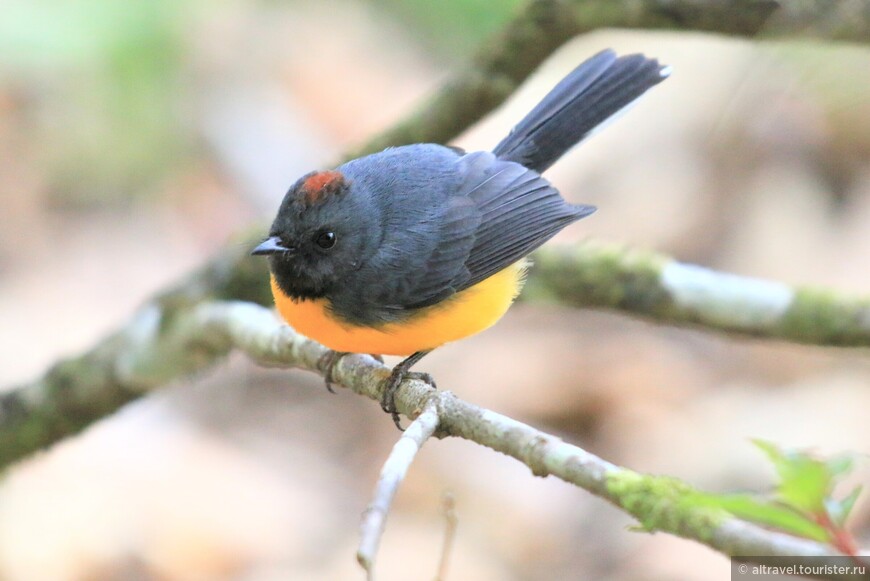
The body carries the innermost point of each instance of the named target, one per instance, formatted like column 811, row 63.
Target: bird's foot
column 327, row 364
column 400, row 373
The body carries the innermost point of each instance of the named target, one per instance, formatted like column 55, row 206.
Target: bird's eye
column 325, row 240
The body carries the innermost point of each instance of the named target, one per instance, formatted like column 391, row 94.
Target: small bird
column 402, row 251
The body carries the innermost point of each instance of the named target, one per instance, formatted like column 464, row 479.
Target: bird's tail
column 594, row 92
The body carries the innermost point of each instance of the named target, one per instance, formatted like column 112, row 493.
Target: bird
column 405, row 250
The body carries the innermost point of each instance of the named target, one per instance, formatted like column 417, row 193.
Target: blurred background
column 136, row 138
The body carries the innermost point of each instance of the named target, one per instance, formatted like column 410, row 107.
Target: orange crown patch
column 318, row 186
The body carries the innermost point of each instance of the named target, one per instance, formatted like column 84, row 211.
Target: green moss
column 594, row 15
column 247, row 280
column 663, row 503
column 594, row 274
column 74, row 394
column 741, row 17
column 822, row 316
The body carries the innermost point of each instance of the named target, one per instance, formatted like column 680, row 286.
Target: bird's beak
column 271, row 245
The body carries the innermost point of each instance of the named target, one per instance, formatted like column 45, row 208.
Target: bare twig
column 449, row 508
column 392, row 474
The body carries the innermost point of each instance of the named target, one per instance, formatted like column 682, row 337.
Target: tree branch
column 392, row 474
column 542, row 26
column 658, row 503
column 844, row 20
column 655, row 286
column 83, row 389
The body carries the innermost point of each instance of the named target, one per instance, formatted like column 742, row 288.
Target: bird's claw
column 388, row 399
column 327, row 363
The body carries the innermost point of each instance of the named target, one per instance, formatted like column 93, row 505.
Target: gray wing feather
column 501, row 212
column 519, row 209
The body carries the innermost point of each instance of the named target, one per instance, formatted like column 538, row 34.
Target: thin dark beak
column 271, row 245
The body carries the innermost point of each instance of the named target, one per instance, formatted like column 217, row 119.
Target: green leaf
column 767, row 513
column 805, row 482
column 802, row 504
column 840, row 465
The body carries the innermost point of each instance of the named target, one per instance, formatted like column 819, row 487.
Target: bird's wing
column 519, row 211
column 425, row 263
column 500, row 213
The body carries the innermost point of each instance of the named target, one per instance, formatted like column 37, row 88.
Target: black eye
column 325, row 240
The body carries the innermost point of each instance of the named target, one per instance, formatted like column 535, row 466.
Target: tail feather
column 594, row 92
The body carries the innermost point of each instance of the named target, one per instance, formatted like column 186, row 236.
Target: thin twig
column 449, row 510
column 392, row 474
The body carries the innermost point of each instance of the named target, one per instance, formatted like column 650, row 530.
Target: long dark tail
column 596, row 90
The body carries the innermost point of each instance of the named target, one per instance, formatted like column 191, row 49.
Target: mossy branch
column 84, row 389
column 542, row 26
column 657, row 287
column 843, row 20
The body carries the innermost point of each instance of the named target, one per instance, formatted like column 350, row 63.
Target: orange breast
column 467, row 313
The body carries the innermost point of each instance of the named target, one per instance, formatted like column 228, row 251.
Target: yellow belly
column 469, row 312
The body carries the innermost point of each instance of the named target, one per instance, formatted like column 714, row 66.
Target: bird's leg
column 327, row 363
column 400, row 373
